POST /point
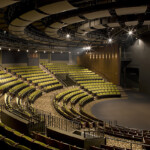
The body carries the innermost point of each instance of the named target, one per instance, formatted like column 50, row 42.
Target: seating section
column 33, row 96
column 25, row 142
column 36, row 76
column 102, row 90
column 88, row 80
column 54, row 142
column 7, row 143
column 66, row 102
column 5, row 87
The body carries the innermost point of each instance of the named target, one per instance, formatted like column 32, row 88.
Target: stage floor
column 133, row 112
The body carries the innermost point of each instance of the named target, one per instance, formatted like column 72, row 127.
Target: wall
column 13, row 57
column 140, row 52
column 57, row 56
column 105, row 61
column 33, row 59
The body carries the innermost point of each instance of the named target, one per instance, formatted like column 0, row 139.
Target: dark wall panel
column 140, row 52
column 43, row 56
column 59, row 56
column 33, row 61
column 14, row 57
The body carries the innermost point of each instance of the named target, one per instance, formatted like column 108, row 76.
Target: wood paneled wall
column 104, row 61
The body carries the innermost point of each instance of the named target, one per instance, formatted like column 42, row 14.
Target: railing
column 57, row 122
column 94, row 134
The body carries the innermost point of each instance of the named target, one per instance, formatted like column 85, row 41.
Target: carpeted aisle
column 133, row 112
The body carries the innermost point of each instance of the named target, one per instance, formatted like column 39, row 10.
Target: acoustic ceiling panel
column 51, row 30
column 57, row 7
column 97, row 14
column 17, row 33
column 113, row 24
column 131, row 23
column 33, row 16
column 57, row 25
column 20, row 23
column 4, row 3
column 99, row 26
column 72, row 20
column 131, row 10
column 14, row 28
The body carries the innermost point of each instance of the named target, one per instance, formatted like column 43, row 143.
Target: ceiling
column 44, row 24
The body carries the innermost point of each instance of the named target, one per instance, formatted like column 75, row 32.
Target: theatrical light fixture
column 130, row 32
column 68, row 36
column 87, row 48
column 109, row 40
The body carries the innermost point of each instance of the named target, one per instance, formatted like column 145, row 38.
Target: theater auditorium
column 74, row 74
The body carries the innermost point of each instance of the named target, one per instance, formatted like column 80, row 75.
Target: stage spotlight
column 68, row 36
column 130, row 32
column 109, row 40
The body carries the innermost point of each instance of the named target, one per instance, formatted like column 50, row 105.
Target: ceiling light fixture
column 130, row 32
column 68, row 36
column 87, row 48
column 109, row 40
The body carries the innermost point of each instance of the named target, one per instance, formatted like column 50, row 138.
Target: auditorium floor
column 133, row 111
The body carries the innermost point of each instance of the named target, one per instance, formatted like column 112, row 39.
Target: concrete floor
column 133, row 112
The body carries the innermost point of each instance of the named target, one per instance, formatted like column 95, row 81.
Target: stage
column 133, row 112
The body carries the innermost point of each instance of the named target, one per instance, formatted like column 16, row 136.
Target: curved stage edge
column 132, row 112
